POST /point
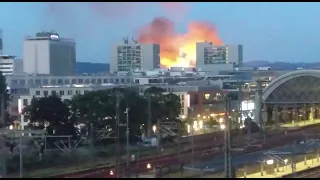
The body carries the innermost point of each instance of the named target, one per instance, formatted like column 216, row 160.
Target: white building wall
column 54, row 57
column 36, row 56
column 235, row 54
column 150, row 56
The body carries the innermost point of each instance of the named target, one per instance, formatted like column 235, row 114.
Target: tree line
column 98, row 110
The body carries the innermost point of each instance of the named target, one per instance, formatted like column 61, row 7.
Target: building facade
column 218, row 58
column 1, row 42
column 199, row 94
column 6, row 64
column 49, row 54
column 133, row 56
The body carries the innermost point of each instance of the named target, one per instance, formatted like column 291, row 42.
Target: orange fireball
column 177, row 49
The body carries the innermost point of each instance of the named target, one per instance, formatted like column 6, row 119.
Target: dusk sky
column 287, row 32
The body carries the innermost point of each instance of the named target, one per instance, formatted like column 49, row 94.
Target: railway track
column 309, row 173
column 274, row 140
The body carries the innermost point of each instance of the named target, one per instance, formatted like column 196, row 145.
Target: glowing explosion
column 177, row 49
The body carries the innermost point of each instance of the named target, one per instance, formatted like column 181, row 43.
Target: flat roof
column 6, row 56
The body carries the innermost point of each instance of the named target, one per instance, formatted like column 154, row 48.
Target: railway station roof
column 300, row 86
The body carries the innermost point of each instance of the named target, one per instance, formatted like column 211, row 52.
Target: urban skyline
column 251, row 24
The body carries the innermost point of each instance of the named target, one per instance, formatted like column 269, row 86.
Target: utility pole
column 159, row 134
column 117, row 133
column 3, row 116
column 149, row 125
column 227, row 140
column 2, row 124
column 127, row 133
column 240, row 96
column 3, row 158
column 21, row 157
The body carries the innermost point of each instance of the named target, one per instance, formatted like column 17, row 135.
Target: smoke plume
column 177, row 49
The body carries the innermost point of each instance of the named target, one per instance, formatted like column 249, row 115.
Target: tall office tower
column 132, row 56
column 1, row 42
column 47, row 53
column 213, row 58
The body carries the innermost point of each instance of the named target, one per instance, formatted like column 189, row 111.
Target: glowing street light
column 188, row 128
column 111, row 172
column 195, row 125
column 222, row 126
column 212, row 115
column 10, row 127
column 148, row 166
column 200, row 124
column 154, row 128
column 220, row 120
column 198, row 115
column 270, row 161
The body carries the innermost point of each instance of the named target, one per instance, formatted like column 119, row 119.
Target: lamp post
column 127, row 133
column 192, row 141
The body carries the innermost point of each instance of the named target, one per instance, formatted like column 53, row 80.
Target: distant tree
column 52, row 114
column 165, row 107
column 97, row 110
column 4, row 92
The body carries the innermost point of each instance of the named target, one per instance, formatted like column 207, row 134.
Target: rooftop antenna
column 36, row 59
column 126, row 40
column 134, row 40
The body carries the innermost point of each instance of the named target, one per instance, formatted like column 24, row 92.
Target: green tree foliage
column 97, row 110
column 164, row 106
column 4, row 91
column 50, row 113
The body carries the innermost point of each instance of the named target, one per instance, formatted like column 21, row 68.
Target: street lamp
column 154, row 128
column 270, row 161
column 195, row 125
column 188, row 128
column 148, row 166
column 200, row 124
column 220, row 120
column 300, row 118
column 222, row 126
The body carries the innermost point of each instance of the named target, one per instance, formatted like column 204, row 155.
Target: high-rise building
column 211, row 57
column 6, row 64
column 1, row 42
column 133, row 56
column 47, row 53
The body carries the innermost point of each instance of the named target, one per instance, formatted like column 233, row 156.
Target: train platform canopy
column 279, row 153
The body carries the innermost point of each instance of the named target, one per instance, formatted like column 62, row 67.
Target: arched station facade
column 294, row 96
